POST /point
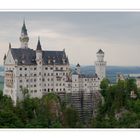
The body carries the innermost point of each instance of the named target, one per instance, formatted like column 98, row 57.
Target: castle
column 42, row 71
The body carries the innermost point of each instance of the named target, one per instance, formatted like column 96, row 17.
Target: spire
column 39, row 48
column 9, row 45
column 4, row 57
column 24, row 30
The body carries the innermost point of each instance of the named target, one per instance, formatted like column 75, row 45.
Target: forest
column 119, row 109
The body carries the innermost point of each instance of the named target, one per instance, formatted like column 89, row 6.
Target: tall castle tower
column 24, row 39
column 100, row 65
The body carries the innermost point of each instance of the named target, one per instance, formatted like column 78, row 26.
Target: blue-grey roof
column 55, row 57
column 27, row 56
column 24, row 56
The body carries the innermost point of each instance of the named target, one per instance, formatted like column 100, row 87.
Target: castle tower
column 39, row 62
column 100, row 65
column 24, row 39
column 78, row 68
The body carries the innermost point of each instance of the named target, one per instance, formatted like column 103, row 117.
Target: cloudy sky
column 80, row 33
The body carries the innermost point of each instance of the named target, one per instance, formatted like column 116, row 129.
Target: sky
column 81, row 34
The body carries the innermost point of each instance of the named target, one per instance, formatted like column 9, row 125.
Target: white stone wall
column 100, row 69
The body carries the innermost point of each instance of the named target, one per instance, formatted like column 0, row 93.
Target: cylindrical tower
column 100, row 65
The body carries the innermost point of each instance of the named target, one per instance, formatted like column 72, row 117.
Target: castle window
column 46, row 68
column 56, row 84
column 44, row 74
column 20, row 75
column 63, row 73
column 48, row 74
column 25, row 75
column 39, row 73
column 51, row 68
column 43, row 79
column 56, row 73
column 48, row 79
column 27, row 80
column 63, row 89
column 34, row 68
column 48, row 90
column 61, row 68
column 34, row 80
column 20, row 68
column 51, row 74
column 52, row 79
column 34, row 74
column 20, row 81
column 44, row 89
column 25, row 68
column 34, row 85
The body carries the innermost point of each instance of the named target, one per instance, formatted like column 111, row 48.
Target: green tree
column 104, row 85
column 71, row 117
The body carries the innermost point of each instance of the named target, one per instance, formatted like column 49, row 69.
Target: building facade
column 39, row 72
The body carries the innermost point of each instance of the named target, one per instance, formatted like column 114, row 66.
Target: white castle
column 42, row 71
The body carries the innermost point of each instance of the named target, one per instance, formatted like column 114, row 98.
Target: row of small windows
column 58, row 90
column 49, row 74
column 46, row 68
column 25, row 68
column 49, row 90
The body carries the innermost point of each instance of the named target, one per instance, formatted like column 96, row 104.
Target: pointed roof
column 24, row 30
column 78, row 65
column 39, row 48
column 9, row 45
column 100, row 52
column 4, row 57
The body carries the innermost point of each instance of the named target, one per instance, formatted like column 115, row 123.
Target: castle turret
column 100, row 65
column 24, row 39
column 78, row 68
column 39, row 62
column 39, row 52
